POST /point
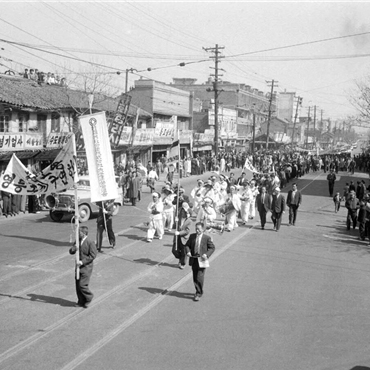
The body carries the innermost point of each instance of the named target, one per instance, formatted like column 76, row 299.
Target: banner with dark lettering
column 119, row 120
column 60, row 175
column 99, row 157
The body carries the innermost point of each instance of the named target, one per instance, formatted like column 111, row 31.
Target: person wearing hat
column 168, row 208
column 155, row 209
column 352, row 204
column 277, row 208
column 180, row 213
column 254, row 191
column 197, row 195
column 206, row 213
column 246, row 198
column 232, row 208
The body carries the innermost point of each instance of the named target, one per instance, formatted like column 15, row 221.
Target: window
column 23, row 122
column 4, row 123
column 55, row 122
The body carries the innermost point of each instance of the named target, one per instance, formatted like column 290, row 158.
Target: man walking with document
column 199, row 248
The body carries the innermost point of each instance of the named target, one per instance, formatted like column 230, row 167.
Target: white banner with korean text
column 60, row 175
column 21, row 141
column 99, row 157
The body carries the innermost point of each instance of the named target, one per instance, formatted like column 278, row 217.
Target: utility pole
column 314, row 124
column 321, row 122
column 308, row 125
column 254, row 131
column 269, row 116
column 126, row 82
column 216, row 57
column 299, row 102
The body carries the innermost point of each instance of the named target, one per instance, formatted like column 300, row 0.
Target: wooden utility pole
column 273, row 83
column 308, row 125
column 216, row 57
column 314, row 124
column 299, row 102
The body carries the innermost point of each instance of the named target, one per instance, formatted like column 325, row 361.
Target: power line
column 301, row 44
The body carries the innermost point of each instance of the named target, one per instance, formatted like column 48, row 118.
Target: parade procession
column 184, row 185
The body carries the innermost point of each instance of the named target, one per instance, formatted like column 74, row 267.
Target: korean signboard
column 21, row 141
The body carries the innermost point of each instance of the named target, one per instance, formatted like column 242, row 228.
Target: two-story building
column 240, row 106
column 171, row 110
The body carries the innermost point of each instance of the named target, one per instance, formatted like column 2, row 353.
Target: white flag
column 60, row 175
column 249, row 169
column 99, row 157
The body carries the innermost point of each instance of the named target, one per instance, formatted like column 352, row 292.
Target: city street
column 297, row 299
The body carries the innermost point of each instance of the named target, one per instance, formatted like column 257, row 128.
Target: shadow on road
column 150, row 262
column 53, row 300
column 56, row 243
column 171, row 293
column 360, row 368
column 132, row 236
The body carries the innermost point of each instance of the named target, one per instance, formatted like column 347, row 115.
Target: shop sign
column 126, row 136
column 57, row 139
column 164, row 129
column 21, row 141
column 143, row 137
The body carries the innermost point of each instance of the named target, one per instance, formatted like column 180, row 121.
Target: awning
column 5, row 156
column 47, row 155
column 202, row 148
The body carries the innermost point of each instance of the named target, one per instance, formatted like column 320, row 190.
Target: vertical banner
column 119, row 119
column 99, row 157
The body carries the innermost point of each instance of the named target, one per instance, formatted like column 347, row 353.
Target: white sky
column 161, row 34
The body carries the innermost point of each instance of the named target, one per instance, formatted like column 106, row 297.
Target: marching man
column 155, row 208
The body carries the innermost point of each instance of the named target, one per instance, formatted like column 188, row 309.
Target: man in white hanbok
column 232, row 208
column 155, row 209
column 246, row 197
column 197, row 194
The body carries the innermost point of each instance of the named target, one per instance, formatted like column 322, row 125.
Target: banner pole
column 178, row 194
column 77, row 236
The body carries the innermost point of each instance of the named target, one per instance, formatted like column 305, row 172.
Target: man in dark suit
column 104, row 221
column 263, row 202
column 199, row 246
column 294, row 200
column 277, row 208
column 88, row 253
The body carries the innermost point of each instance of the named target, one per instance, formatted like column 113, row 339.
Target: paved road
column 297, row 299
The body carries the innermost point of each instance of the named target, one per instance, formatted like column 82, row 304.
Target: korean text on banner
column 60, row 175
column 99, row 157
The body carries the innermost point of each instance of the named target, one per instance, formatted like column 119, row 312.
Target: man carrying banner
column 105, row 222
column 87, row 254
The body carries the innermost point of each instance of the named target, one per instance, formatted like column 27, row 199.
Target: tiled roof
column 22, row 92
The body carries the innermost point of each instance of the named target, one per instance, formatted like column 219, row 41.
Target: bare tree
column 360, row 98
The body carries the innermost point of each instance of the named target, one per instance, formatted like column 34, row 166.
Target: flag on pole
column 60, row 175
column 249, row 169
column 99, row 157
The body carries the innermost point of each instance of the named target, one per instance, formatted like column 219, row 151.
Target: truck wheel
column 56, row 216
column 84, row 213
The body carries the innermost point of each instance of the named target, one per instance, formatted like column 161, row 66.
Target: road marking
column 126, row 324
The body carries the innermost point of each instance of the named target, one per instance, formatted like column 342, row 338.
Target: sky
column 261, row 41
